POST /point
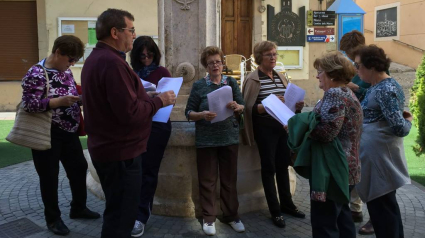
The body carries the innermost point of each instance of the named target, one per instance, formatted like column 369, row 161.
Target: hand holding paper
column 277, row 109
column 293, row 95
column 168, row 87
column 218, row 101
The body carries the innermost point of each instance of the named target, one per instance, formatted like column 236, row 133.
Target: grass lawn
column 415, row 164
column 13, row 154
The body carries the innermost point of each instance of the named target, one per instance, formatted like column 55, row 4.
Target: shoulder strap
column 47, row 78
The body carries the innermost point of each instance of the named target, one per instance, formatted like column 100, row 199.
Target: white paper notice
column 217, row 101
column 277, row 109
column 293, row 94
column 166, row 84
column 68, row 29
column 148, row 86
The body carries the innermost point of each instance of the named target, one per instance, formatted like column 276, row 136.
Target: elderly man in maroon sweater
column 118, row 116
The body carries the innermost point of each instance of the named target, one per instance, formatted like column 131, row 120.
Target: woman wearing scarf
column 145, row 58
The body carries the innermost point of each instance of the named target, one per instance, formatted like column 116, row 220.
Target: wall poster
column 81, row 27
column 387, row 22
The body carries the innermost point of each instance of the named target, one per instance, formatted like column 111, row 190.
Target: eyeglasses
column 149, row 55
column 357, row 65
column 132, row 30
column 72, row 59
column 319, row 72
column 212, row 63
column 271, row 56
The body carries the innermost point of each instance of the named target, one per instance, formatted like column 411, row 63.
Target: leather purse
column 32, row 130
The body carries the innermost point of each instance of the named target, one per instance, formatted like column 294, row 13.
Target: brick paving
column 20, row 198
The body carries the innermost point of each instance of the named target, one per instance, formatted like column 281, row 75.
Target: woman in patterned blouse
column 385, row 124
column 63, row 100
column 341, row 117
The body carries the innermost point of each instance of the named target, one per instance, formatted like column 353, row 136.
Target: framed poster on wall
column 83, row 28
column 290, row 56
column 387, row 22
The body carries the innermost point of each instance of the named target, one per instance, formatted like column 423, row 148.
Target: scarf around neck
column 145, row 71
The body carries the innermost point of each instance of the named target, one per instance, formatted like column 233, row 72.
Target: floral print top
column 60, row 84
column 385, row 102
column 341, row 117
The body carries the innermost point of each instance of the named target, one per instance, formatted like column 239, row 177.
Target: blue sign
column 316, row 38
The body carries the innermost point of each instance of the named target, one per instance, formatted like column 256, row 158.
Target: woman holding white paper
column 268, row 133
column 145, row 58
column 341, row 118
column 216, row 143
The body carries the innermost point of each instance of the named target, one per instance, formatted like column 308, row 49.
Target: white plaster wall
column 260, row 32
column 144, row 12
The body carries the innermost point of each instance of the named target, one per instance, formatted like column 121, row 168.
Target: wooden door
column 236, row 27
column 19, row 44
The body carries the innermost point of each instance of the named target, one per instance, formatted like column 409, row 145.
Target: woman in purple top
column 145, row 58
column 63, row 100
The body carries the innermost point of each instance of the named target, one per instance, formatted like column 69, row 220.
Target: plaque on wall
column 286, row 28
column 386, row 22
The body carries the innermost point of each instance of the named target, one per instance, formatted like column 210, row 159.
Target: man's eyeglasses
column 357, row 65
column 132, row 30
column 271, row 56
column 149, row 55
column 212, row 63
column 72, row 59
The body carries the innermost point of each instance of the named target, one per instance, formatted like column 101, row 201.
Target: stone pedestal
column 178, row 194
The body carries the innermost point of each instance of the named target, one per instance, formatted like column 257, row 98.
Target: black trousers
column 151, row 161
column 385, row 216
column 66, row 148
column 121, row 181
column 275, row 156
column 331, row 219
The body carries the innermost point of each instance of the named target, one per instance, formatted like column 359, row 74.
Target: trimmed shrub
column 417, row 107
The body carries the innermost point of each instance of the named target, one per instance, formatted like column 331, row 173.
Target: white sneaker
column 209, row 228
column 237, row 225
column 138, row 229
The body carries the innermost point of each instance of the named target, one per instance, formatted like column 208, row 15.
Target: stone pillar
column 184, row 31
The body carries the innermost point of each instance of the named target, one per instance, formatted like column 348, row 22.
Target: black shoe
column 278, row 221
column 86, row 213
column 58, row 227
column 294, row 213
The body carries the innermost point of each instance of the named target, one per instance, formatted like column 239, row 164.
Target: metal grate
column 19, row 228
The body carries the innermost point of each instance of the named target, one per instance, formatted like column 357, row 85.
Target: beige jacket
column 250, row 90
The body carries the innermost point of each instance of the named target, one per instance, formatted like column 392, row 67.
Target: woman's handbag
column 81, row 131
column 32, row 130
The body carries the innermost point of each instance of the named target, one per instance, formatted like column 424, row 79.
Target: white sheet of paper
column 293, row 94
column 166, row 84
column 277, row 109
column 217, row 101
column 70, row 29
column 148, row 86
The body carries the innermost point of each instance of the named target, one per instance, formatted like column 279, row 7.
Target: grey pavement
column 20, row 198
